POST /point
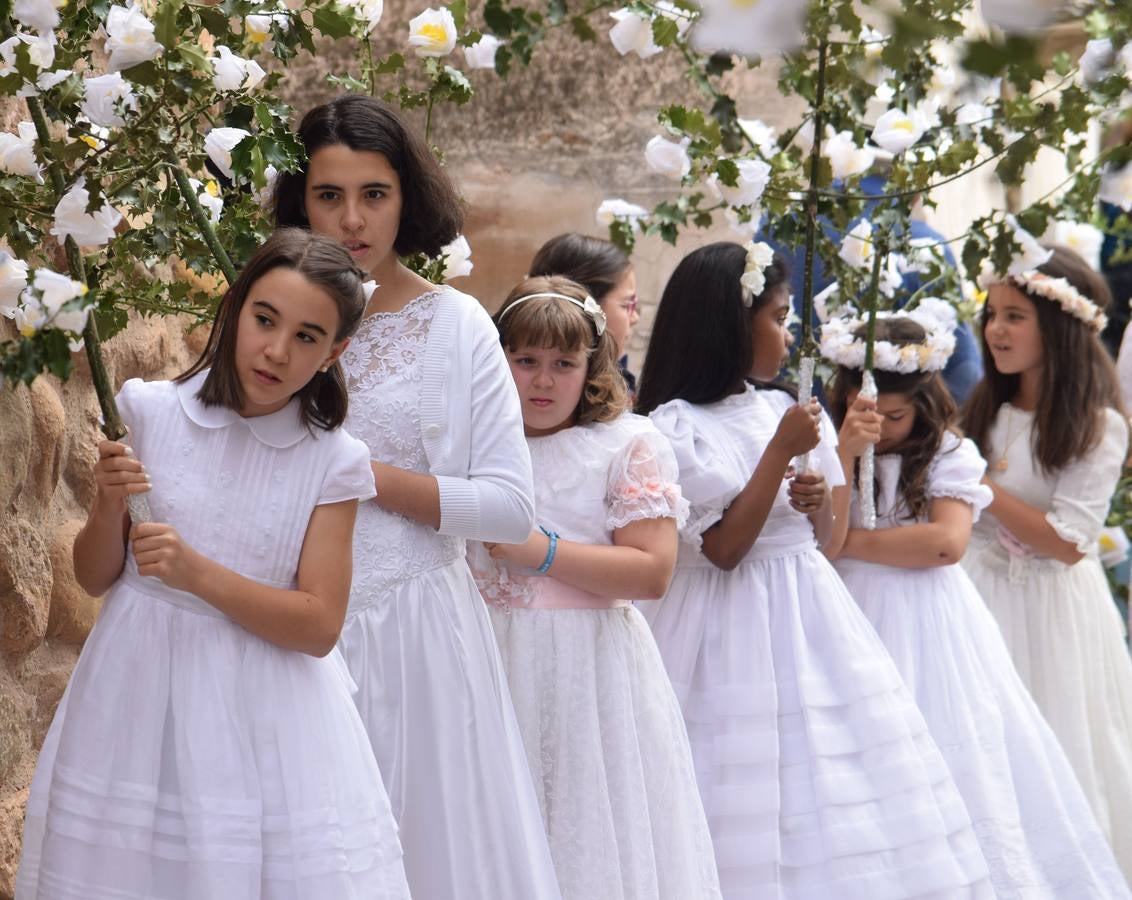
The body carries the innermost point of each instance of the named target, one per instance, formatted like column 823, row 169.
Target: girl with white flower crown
column 602, row 728
column 1034, row 824
column 1047, row 417
column 818, row 775
column 207, row 746
column 432, row 396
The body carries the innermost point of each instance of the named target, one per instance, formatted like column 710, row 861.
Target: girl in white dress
column 603, row 731
column 818, row 775
column 432, row 397
column 1047, row 417
column 207, row 747
column 1034, row 824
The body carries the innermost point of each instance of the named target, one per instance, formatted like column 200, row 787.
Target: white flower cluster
column 759, row 256
column 633, row 31
column 616, row 209
column 1059, row 290
column 50, row 301
column 457, row 258
column 841, row 345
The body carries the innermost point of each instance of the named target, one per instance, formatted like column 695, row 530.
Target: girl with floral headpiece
column 602, row 727
column 1048, row 419
column 818, row 774
column 1034, row 824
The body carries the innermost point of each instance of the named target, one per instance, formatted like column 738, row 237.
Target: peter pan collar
column 280, row 429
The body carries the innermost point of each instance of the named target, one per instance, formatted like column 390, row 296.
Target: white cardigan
column 472, row 426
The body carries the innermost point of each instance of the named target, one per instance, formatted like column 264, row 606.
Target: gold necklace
column 1002, row 464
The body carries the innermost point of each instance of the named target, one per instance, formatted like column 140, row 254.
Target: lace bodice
column 384, row 368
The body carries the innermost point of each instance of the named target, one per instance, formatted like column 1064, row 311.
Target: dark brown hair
column 547, row 322
column 700, row 350
column 595, row 264
column 1078, row 380
column 431, row 214
column 934, row 409
column 326, row 264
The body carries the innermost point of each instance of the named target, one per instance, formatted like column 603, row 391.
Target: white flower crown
column 753, row 279
column 591, row 308
column 1059, row 290
column 840, row 345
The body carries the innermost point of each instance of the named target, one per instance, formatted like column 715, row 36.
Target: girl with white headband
column 818, row 775
column 1034, row 824
column 1047, row 416
column 602, row 728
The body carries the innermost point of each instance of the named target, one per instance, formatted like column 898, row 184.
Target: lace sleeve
column 957, row 473
column 642, row 483
column 1084, row 488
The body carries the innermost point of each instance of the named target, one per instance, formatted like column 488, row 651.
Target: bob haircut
column 1078, row 378
column 595, row 264
column 323, row 262
column 431, row 213
column 701, row 348
column 935, row 410
column 551, row 323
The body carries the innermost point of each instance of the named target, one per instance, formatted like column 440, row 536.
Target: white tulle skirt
column 191, row 760
column 818, row 775
column 1033, row 821
column 433, row 696
column 1067, row 642
column 606, row 744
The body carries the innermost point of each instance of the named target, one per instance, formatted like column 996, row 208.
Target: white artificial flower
column 433, row 33
column 39, row 15
column 54, row 289
column 934, row 314
column 891, row 279
column 897, row 130
column 1023, row 16
column 29, row 316
column 804, row 136
column 106, row 97
column 668, row 158
column 764, row 137
column 759, row 256
column 87, row 229
column 879, row 103
column 41, row 54
column 1082, row 238
column 370, row 11
column 129, row 38
column 749, row 27
column 754, row 175
column 41, row 49
column 257, row 28
column 972, row 113
column 874, row 41
column 632, row 33
column 1112, row 546
column 234, row 73
column 457, row 258
column 263, row 195
column 1097, row 61
column 857, row 246
column 208, row 195
column 48, row 80
column 822, row 298
column 945, row 73
column 1116, row 187
column 17, row 152
column 481, row 55
column 219, row 143
column 1031, row 255
column 611, row 210
column 13, row 279
column 845, row 157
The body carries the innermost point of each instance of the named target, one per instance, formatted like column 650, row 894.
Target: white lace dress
column 431, row 686
column 603, row 731
column 1034, row 824
column 190, row 759
column 817, row 771
column 1060, row 622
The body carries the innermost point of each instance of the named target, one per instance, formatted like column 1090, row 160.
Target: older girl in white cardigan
column 432, row 396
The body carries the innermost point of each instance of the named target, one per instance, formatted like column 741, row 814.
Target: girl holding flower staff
column 1033, row 554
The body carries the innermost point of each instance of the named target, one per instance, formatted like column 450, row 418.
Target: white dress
column 431, row 687
column 817, row 771
column 1060, row 622
column 1034, row 824
column 190, row 759
column 603, row 731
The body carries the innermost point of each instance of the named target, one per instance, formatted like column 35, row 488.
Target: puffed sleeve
column 643, row 482
column 824, row 456
column 957, row 473
column 707, row 480
column 130, row 406
column 1084, row 488
column 348, row 474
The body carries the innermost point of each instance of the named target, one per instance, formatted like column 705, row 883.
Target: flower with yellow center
column 433, row 33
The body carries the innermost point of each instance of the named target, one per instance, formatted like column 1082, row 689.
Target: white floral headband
column 590, row 307
column 1059, row 290
column 753, row 279
column 841, row 345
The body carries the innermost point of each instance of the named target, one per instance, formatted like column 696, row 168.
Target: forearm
column 840, row 498
column 291, row 619
column 729, row 540
column 1029, row 525
column 923, row 545
column 99, row 551
column 414, row 495
column 612, row 571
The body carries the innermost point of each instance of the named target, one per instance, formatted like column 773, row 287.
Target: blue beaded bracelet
column 550, row 551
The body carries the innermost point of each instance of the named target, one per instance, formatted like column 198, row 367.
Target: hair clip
column 759, row 257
